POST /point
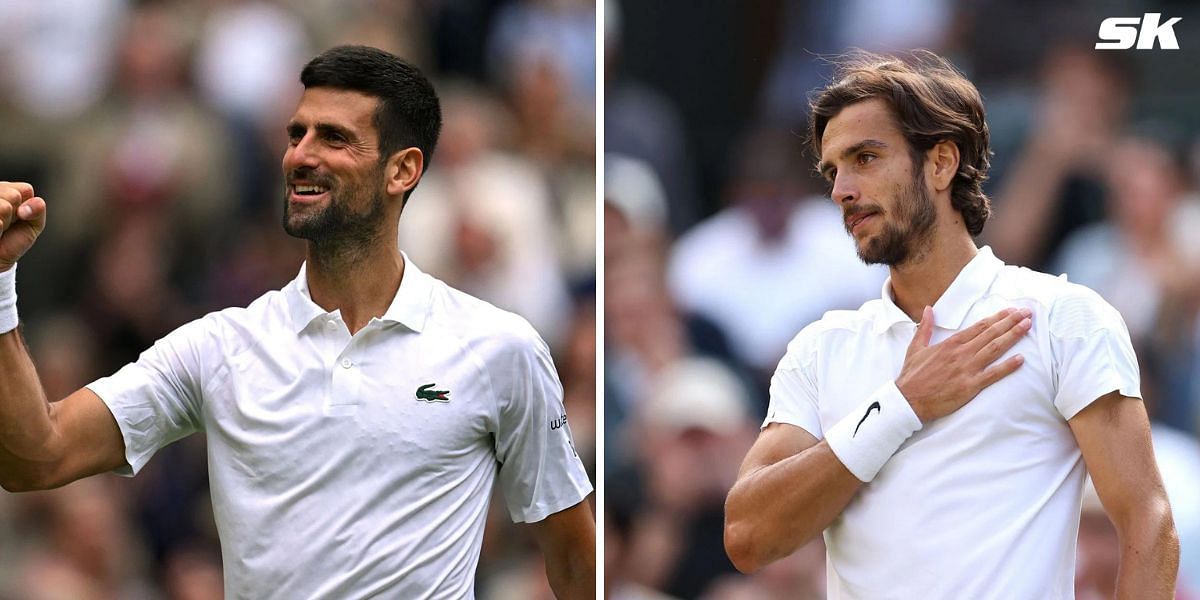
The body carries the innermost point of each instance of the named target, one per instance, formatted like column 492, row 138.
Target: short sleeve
column 1092, row 352
column 156, row 399
column 540, row 471
column 793, row 386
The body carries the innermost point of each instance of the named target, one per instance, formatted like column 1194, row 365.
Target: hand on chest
column 1018, row 406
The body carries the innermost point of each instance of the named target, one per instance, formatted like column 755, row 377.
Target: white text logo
column 1121, row 32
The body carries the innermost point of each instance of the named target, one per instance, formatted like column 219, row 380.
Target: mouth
column 307, row 192
column 853, row 222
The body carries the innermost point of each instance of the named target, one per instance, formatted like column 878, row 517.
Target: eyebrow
column 824, row 166
column 323, row 129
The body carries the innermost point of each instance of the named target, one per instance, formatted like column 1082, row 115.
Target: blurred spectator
column 193, row 574
column 1136, row 258
column 776, row 259
column 1139, row 260
column 246, row 63
column 248, row 58
column 561, row 34
column 1054, row 186
column 642, row 124
column 645, row 332
column 690, row 435
column 544, row 53
column 882, row 26
column 799, row 576
column 87, row 552
column 58, row 54
column 618, row 526
column 481, row 219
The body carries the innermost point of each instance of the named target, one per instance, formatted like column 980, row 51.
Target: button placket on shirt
column 345, row 375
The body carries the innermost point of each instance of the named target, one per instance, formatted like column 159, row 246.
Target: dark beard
column 337, row 229
column 905, row 235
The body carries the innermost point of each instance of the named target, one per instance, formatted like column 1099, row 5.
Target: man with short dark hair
column 938, row 435
column 356, row 419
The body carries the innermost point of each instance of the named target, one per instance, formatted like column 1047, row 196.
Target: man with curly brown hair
column 938, row 435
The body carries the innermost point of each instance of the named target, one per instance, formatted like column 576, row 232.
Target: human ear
column 942, row 164
column 403, row 171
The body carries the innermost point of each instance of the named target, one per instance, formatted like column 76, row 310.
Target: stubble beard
column 906, row 235
column 337, row 229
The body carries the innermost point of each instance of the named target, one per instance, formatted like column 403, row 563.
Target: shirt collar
column 951, row 308
column 409, row 308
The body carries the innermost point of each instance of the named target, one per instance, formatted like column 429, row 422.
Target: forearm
column 572, row 574
column 567, row 540
column 778, row 508
column 26, row 427
column 1149, row 556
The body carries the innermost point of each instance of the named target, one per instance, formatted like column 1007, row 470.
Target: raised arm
column 42, row 444
column 791, row 487
column 1114, row 436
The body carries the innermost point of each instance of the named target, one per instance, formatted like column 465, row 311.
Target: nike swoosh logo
column 874, row 405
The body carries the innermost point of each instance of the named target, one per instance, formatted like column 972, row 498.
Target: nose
column 301, row 154
column 845, row 189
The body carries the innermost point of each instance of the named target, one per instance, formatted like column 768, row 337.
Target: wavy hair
column 931, row 102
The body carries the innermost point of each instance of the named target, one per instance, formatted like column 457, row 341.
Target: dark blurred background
column 721, row 244
column 155, row 130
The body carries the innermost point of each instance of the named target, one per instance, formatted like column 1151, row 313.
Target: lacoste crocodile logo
column 426, row 393
column 874, row 406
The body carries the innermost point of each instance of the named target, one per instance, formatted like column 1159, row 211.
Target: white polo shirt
column 982, row 503
column 356, row 466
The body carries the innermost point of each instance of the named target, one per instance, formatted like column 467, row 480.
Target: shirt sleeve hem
column 1082, row 400
column 540, row 511
column 133, row 463
column 807, row 427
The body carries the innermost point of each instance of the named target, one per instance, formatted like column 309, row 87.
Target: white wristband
column 868, row 436
column 8, row 300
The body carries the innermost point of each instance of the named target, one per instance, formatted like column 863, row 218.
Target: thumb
column 33, row 211
column 924, row 331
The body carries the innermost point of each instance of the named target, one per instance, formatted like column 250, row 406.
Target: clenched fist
column 22, row 218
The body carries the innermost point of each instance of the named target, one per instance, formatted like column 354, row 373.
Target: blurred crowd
column 721, row 243
column 155, row 129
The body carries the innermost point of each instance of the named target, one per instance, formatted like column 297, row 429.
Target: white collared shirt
column 356, row 466
column 984, row 502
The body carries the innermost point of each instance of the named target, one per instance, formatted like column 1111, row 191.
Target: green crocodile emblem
column 428, row 394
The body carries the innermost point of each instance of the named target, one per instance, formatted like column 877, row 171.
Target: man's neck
column 921, row 280
column 361, row 284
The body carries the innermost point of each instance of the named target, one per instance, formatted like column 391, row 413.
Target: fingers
column 24, row 190
column 986, row 341
column 1008, row 337
column 12, row 195
column 924, row 331
column 1001, row 370
column 32, row 211
column 979, row 327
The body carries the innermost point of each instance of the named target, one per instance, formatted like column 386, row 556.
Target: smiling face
column 334, row 180
column 886, row 205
